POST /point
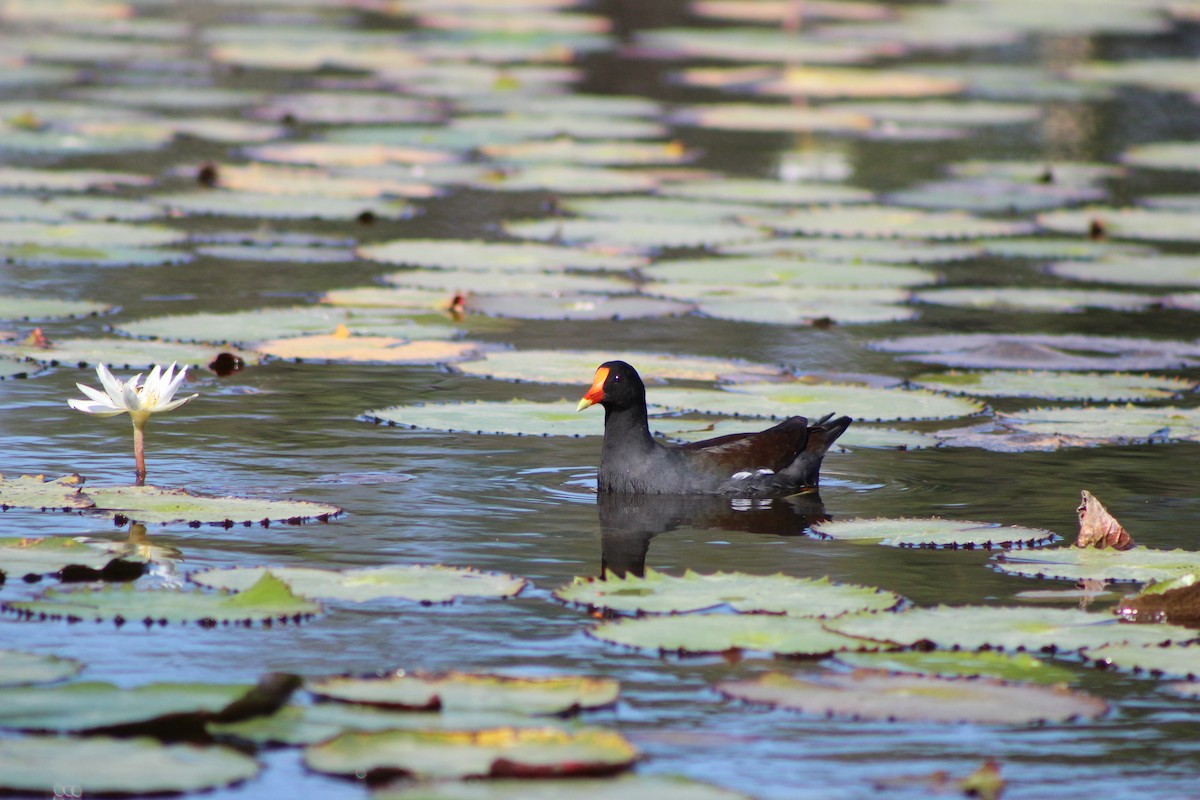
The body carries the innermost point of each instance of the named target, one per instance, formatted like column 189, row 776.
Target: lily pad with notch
column 423, row 583
column 38, row 491
column 718, row 633
column 19, row 668
column 934, row 533
column 962, row 664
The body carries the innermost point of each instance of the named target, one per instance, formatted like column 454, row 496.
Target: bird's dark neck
column 627, row 427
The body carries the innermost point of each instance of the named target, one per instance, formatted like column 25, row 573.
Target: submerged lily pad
column 460, row 692
column 1043, row 351
column 657, row 593
column 716, row 633
column 1093, row 387
column 42, row 764
column 18, row 668
column 500, row 256
column 960, row 664
column 1004, row 628
column 1085, row 563
column 934, row 532
column 38, row 491
column 497, row 753
column 151, row 504
column 1165, row 662
column 267, row 601
column 420, row 582
column 659, row 787
column 868, row 695
column 888, row 222
column 516, row 417
column 120, row 353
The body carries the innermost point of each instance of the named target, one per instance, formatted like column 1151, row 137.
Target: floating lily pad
column 657, row 593
column 1164, row 662
column 746, row 44
column 150, row 504
column 278, row 254
column 489, row 128
column 1063, row 173
column 575, row 306
column 574, row 366
column 119, row 353
column 591, row 153
column 837, row 308
column 638, row 236
column 1111, row 424
column 497, row 753
column 867, row 695
column 169, row 97
column 1044, row 248
column 775, row 400
column 1161, row 74
column 660, row 787
column 22, row 556
column 855, row 82
column 315, row 182
column 380, row 297
column 765, row 192
column 18, row 668
column 857, row 251
column 1040, row 299
column 1158, row 270
column 1141, row 564
column 38, row 491
column 40, row 255
column 771, row 118
column 993, row 195
column 507, row 283
column 67, row 209
column 87, row 234
column 346, row 154
column 692, row 430
column 957, row 113
column 267, row 601
column 1043, row 351
column 18, row 368
column 249, row 326
column 420, row 582
column 890, row 222
column 1093, row 387
column 42, row 764
column 716, row 633
column 95, row 706
column 934, row 532
column 516, row 417
column 343, row 108
column 1004, row 628
column 499, row 256
column 339, row 348
column 561, row 179
column 279, row 206
column 66, row 180
column 1125, row 223
column 959, row 664
column 642, row 209
column 784, row 272
column 458, row 692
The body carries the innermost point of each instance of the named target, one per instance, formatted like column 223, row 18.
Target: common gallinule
column 779, row 460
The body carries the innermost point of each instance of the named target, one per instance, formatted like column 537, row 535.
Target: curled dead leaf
column 1098, row 528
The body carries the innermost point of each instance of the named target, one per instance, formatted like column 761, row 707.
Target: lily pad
column 637, row 236
column 784, row 272
column 867, row 695
column 278, row 254
column 516, row 417
column 40, row 255
column 267, row 601
column 249, row 326
column 1125, row 223
column 855, row 82
column 38, row 491
column 420, row 582
column 1004, row 628
column 1157, row 270
column 1045, row 248
column 101, row 707
column 934, row 532
column 765, row 192
column 18, row 668
column 573, row 366
column 657, row 593
column 1093, row 387
column 151, row 504
column 87, row 234
column 384, row 297
column 890, row 222
column 771, row 118
column 565, row 150
column 120, row 353
column 746, row 44
column 641, row 209
column 279, row 206
column 575, row 306
column 848, row 307
column 960, row 664
column 993, row 195
column 717, row 633
column 340, row 348
column 562, row 179
column 857, row 251
column 25, row 556
column 497, row 753
column 1063, row 173
column 1111, row 424
column 507, row 283
column 660, row 787
column 499, row 256
column 344, row 108
column 1140, row 564
column 314, row 182
column 43, row 764
column 1161, row 662
column 1043, row 351
column 958, row 113
column 460, row 692
column 67, row 209
column 67, row 180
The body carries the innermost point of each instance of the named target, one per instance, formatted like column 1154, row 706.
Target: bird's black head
column 617, row 385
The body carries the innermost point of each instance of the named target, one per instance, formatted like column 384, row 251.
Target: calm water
column 526, row 505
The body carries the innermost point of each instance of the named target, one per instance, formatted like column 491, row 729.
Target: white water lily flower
column 137, row 399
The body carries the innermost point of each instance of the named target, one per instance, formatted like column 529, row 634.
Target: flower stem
column 139, row 448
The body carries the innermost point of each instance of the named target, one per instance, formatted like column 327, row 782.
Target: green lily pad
column 281, row 206
column 1044, row 248
column 343, row 108
column 866, row 695
column 1161, row 662
column 562, row 179
column 575, row 306
column 18, row 668
column 257, row 324
column 641, row 209
column 507, row 283
column 1093, row 387
column 487, row 128
column 657, row 593
column 775, row 400
column 848, row 307
column 1125, row 223
column 596, row 152
column 429, row 300
column 38, row 491
column 101, row 707
column 1110, row 424
column 423, row 583
column 934, row 532
column 460, row 692
column 516, row 417
column 784, row 272
column 716, row 633
column 959, row 664
column 890, row 222
column 856, row 251
column 1004, row 628
column 993, row 195
column 87, row 234
column 746, row 44
column 1161, row 74
column 267, row 601
column 346, row 154
column 499, row 256
column 633, row 235
column 1140, row 564
column 270, row 179
column 68, row 180
column 150, row 504
column 958, row 113
column 43, row 764
column 40, row 255
column 120, row 353
column 1042, row 351
column 1062, row 173
column 278, row 254
column 67, row 209
column 574, row 366
column 660, row 787
column 853, row 82
column 497, row 753
column 765, row 192
column 22, row 556
column 196, row 98
column 771, row 118
column 1158, row 270
column 21, row 368
column 341, row 348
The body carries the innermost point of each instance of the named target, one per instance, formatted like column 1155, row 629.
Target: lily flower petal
column 97, row 407
column 99, row 397
column 111, row 385
column 176, row 403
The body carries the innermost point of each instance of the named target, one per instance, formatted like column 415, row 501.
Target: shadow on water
column 629, row 522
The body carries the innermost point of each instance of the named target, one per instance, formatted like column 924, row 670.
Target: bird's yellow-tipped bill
column 596, row 392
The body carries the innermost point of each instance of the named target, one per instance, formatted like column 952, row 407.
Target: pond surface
column 527, row 505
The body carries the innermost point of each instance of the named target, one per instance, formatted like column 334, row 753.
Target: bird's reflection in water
column 629, row 521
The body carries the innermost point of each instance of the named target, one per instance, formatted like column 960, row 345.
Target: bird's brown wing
column 774, row 449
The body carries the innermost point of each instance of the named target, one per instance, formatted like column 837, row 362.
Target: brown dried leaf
column 1098, row 528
